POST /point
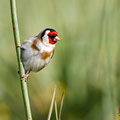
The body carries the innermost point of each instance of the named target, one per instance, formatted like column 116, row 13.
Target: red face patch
column 52, row 42
column 51, row 36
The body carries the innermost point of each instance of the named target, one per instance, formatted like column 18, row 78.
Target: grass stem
column 21, row 68
column 61, row 105
column 52, row 103
column 56, row 112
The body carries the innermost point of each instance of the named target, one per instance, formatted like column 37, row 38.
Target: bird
column 37, row 52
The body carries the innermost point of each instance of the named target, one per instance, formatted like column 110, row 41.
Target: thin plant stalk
column 56, row 112
column 20, row 65
column 52, row 103
column 61, row 106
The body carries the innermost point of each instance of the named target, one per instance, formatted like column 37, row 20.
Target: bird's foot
column 20, row 47
column 25, row 77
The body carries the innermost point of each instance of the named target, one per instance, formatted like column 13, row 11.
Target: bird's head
column 49, row 36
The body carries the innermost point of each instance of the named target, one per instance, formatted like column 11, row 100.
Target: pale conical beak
column 57, row 38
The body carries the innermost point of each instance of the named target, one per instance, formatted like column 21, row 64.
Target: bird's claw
column 25, row 77
column 21, row 47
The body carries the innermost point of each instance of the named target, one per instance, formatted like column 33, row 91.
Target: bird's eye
column 52, row 37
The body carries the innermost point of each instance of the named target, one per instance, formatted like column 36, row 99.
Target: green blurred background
column 86, row 63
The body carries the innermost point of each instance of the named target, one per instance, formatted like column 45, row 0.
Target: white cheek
column 46, row 40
